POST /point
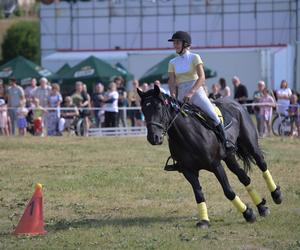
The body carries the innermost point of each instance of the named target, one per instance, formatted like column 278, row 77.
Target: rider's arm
column 201, row 78
column 172, row 79
column 172, row 84
column 199, row 82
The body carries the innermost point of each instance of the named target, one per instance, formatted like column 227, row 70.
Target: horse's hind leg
column 261, row 163
column 234, row 167
column 194, row 181
column 248, row 139
column 229, row 193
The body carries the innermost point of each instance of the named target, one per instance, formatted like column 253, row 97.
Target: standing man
column 42, row 93
column 258, row 94
column 15, row 95
column 240, row 90
column 29, row 91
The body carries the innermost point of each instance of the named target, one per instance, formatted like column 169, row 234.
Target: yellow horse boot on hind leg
column 275, row 190
column 242, row 208
column 258, row 201
column 203, row 215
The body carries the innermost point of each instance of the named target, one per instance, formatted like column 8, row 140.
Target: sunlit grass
column 111, row 193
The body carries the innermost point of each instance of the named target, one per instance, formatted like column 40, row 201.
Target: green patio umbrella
column 122, row 69
column 63, row 70
column 160, row 71
column 24, row 70
column 90, row 71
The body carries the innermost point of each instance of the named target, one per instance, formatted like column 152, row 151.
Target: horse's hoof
column 276, row 195
column 203, row 224
column 249, row 215
column 262, row 209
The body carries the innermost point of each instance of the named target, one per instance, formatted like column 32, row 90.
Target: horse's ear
column 140, row 92
column 156, row 90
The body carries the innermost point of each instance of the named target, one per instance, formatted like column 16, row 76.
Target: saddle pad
column 226, row 115
column 221, row 112
column 218, row 113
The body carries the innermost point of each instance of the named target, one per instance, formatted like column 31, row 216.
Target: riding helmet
column 181, row 36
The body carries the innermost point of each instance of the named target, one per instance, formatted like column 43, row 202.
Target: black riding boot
column 229, row 147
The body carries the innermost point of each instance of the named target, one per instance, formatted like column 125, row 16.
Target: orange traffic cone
column 32, row 221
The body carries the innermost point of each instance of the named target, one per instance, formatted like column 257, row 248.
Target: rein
column 173, row 120
column 166, row 128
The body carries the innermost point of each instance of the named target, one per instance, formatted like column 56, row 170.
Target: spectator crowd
column 41, row 110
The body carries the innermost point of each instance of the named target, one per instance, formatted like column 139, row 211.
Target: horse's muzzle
column 155, row 139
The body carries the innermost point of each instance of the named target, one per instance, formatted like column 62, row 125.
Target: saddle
column 223, row 113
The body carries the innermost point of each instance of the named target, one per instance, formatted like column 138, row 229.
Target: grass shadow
column 121, row 222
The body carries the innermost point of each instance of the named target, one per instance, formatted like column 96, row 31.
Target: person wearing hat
column 15, row 95
column 187, row 80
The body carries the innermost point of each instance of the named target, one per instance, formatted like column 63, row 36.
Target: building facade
column 132, row 25
column 143, row 24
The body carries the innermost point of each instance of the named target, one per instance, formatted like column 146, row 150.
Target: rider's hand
column 188, row 96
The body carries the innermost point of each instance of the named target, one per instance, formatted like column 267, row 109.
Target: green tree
column 22, row 39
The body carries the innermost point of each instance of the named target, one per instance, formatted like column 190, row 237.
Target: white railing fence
column 127, row 113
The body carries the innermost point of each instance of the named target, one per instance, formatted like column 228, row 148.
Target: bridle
column 165, row 125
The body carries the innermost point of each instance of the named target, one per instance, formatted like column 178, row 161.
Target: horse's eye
column 159, row 107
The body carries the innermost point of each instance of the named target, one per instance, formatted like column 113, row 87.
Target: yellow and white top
column 184, row 67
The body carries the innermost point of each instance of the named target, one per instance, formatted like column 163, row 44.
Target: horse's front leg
column 194, row 181
column 234, row 167
column 229, row 193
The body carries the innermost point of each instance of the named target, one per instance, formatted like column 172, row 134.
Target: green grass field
column 112, row 193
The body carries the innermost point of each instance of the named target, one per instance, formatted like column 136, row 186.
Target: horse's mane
column 161, row 96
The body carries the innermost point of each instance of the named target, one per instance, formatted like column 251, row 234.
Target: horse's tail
column 244, row 154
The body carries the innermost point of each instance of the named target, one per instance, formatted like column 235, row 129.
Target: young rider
column 186, row 75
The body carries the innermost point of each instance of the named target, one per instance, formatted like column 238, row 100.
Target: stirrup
column 172, row 167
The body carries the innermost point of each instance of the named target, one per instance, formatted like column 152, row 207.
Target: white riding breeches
column 199, row 99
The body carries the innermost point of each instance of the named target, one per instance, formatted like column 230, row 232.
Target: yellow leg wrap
column 269, row 180
column 203, row 211
column 255, row 197
column 240, row 206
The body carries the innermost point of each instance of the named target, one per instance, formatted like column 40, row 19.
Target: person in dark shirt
column 240, row 90
column 68, row 115
column 215, row 94
column 81, row 101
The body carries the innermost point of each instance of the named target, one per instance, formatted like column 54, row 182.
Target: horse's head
column 153, row 107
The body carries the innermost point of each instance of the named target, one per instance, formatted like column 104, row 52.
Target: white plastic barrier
column 119, row 131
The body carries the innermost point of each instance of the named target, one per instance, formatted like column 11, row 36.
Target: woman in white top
column 186, row 74
column 283, row 97
column 111, row 106
column 225, row 90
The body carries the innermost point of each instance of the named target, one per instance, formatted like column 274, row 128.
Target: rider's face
column 177, row 44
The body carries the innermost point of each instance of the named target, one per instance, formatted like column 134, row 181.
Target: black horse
column 194, row 147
